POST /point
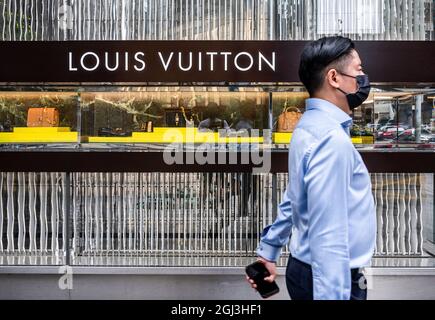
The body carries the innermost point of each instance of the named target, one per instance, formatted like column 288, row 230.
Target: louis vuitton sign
column 194, row 61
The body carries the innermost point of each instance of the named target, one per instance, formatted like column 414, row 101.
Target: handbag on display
column 42, row 117
column 288, row 119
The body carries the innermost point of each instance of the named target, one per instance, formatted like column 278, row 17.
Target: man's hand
column 270, row 266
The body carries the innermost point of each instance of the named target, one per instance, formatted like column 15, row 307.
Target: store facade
column 96, row 190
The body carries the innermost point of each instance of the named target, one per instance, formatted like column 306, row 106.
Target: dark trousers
column 299, row 280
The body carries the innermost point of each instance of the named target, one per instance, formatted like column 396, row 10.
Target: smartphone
column 257, row 271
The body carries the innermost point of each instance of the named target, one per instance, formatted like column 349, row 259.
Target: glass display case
column 173, row 115
column 38, row 117
column 82, row 116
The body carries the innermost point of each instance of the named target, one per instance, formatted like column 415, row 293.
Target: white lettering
column 106, row 56
column 126, row 61
column 200, row 61
column 141, row 61
column 97, row 61
column 71, row 68
column 180, row 62
column 187, row 61
column 237, row 64
column 211, row 54
column 182, row 310
column 270, row 64
column 226, row 54
column 165, row 64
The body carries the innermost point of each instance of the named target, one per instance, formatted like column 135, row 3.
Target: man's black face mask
column 357, row 98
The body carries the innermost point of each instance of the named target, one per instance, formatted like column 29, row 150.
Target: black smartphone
column 257, row 271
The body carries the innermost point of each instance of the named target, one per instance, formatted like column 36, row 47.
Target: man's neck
column 343, row 106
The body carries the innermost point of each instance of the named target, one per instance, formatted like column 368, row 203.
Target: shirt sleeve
column 327, row 179
column 203, row 125
column 276, row 235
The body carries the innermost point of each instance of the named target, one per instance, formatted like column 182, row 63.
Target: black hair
column 247, row 109
column 213, row 110
column 320, row 54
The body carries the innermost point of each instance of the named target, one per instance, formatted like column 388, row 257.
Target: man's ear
column 331, row 78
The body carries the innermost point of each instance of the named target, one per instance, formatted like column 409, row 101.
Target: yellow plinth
column 363, row 140
column 177, row 135
column 281, row 137
column 285, row 137
column 38, row 134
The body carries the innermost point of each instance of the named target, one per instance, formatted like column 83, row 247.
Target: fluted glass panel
column 180, row 218
column 215, row 19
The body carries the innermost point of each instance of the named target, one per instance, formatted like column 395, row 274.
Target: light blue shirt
column 328, row 207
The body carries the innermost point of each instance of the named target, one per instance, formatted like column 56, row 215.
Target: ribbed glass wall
column 180, row 219
column 215, row 19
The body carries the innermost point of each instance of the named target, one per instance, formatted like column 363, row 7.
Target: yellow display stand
column 368, row 139
column 39, row 135
column 363, row 140
column 159, row 135
column 285, row 137
column 281, row 137
column 176, row 135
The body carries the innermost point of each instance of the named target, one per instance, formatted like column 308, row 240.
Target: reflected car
column 409, row 136
column 389, row 132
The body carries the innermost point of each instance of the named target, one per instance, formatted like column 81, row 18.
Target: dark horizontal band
column 247, row 61
column 153, row 161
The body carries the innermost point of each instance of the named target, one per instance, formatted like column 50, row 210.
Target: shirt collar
column 331, row 109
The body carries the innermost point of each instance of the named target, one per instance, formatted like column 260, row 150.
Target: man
column 247, row 116
column 328, row 207
column 212, row 122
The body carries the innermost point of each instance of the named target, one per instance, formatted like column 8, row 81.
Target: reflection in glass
column 147, row 116
column 403, row 118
